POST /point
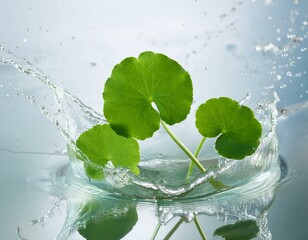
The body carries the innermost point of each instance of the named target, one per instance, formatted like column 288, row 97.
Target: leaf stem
column 172, row 231
column 195, row 161
column 191, row 166
column 183, row 147
column 199, row 228
column 156, row 231
column 200, row 146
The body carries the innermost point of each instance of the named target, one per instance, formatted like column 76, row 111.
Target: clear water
column 246, row 179
column 160, row 193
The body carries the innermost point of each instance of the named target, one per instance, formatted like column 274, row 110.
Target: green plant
column 154, row 90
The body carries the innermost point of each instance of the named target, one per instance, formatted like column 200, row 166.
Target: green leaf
column 136, row 84
column 101, row 144
column 218, row 185
column 108, row 226
column 235, row 126
column 93, row 172
column 242, row 230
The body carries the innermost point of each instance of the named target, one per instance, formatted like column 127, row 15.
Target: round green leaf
column 110, row 227
column 136, row 84
column 242, row 230
column 101, row 144
column 107, row 221
column 236, row 127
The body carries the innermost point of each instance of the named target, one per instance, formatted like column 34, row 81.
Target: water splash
column 72, row 118
column 67, row 112
column 251, row 182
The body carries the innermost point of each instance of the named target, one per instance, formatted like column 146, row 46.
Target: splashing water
column 251, row 182
column 72, row 118
column 67, row 112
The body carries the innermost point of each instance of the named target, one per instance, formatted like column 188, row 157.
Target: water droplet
column 35, row 221
column 278, row 77
column 290, row 36
column 64, row 151
column 258, row 48
column 292, row 63
column 289, row 74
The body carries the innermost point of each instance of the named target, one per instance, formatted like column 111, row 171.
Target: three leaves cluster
column 143, row 93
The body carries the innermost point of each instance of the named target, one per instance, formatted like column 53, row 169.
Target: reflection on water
column 96, row 213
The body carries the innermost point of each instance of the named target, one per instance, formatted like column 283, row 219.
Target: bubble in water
column 278, row 77
column 25, row 39
column 303, row 49
column 305, row 23
column 283, row 86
